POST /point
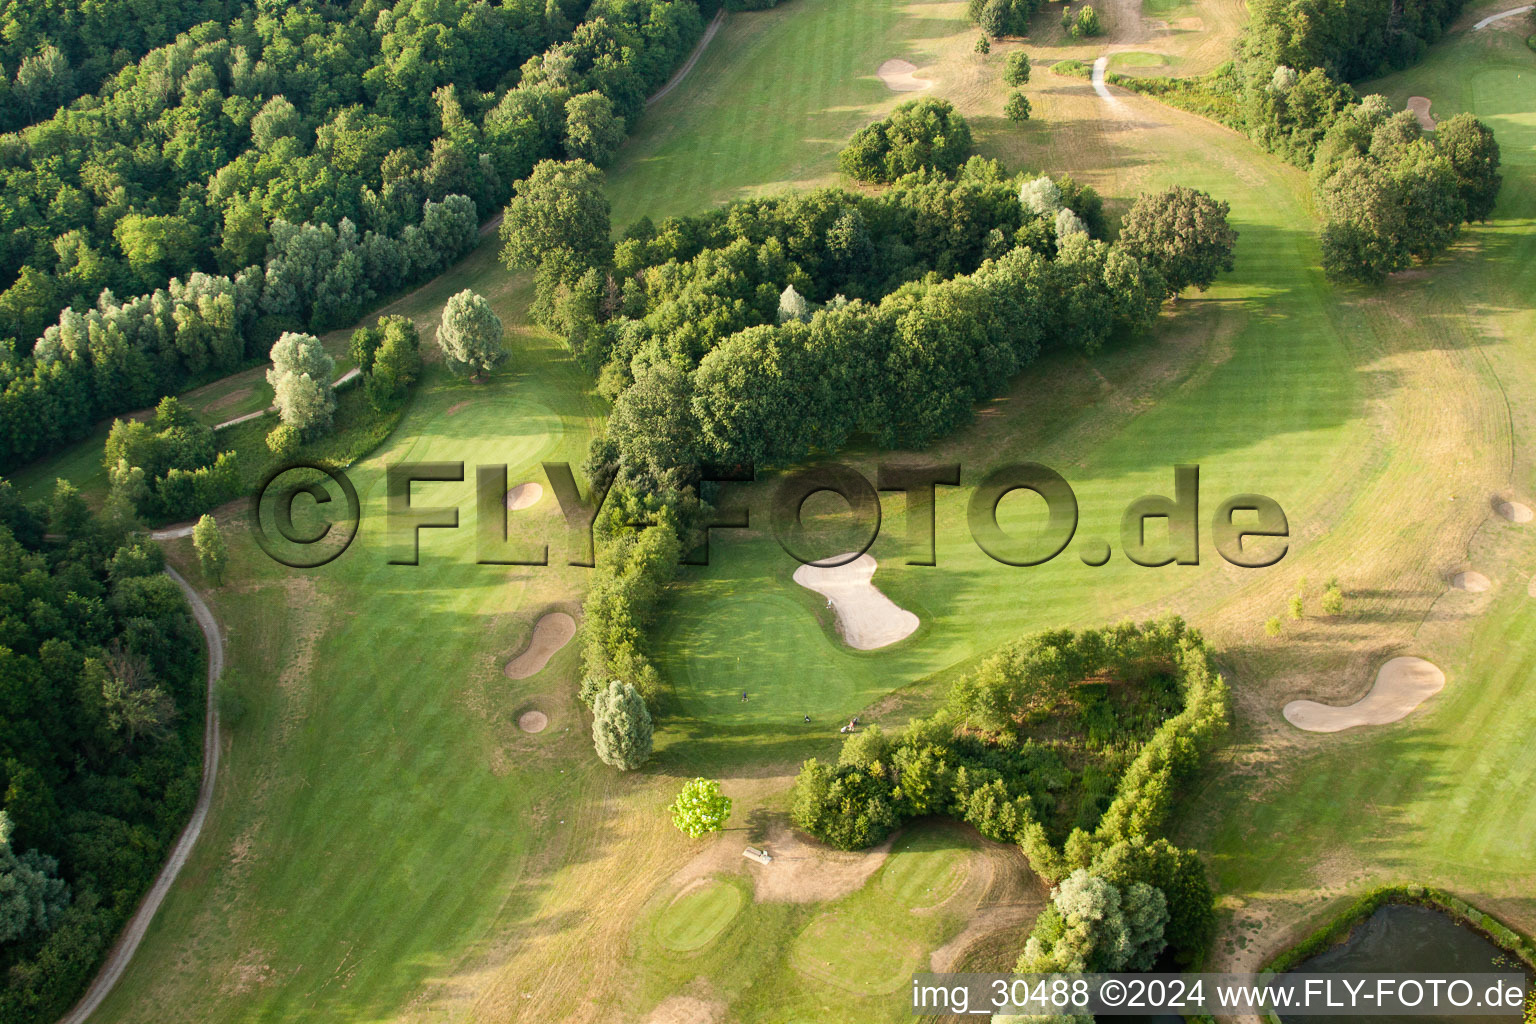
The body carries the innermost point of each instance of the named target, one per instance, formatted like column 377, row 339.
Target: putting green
column 1137, row 59
column 697, row 917
column 855, row 955
column 731, row 639
column 925, row 868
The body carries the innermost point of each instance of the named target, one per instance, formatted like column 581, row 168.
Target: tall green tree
column 1184, row 232
column 1474, row 155
column 593, row 128
column 301, row 379
column 32, row 899
column 558, row 211
column 212, row 554
column 621, row 727
column 470, row 334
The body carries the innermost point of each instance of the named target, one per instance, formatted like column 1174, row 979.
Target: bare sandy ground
column 1420, row 107
column 551, row 633
column 866, row 617
column 524, row 495
column 1516, row 512
column 897, row 76
column 1471, row 581
column 1402, row 684
column 532, row 721
column 802, row 871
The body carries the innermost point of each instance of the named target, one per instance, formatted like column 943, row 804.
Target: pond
column 1400, row 938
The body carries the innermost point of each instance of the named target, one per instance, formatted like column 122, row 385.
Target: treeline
column 100, row 744
column 778, row 328
column 186, row 161
column 120, row 356
column 1135, row 707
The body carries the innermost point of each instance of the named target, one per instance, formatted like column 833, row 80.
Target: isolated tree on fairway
column 700, row 808
column 1474, row 155
column 593, row 130
column 470, row 334
column 32, row 900
column 1016, row 69
column 1184, row 233
column 209, row 545
column 301, row 383
column 621, row 727
column 559, row 211
column 1017, row 108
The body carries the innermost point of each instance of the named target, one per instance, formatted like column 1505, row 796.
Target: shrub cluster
column 169, row 467
column 920, row 135
column 1134, row 706
column 100, row 744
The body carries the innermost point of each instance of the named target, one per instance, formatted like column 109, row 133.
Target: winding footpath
column 1500, row 16
column 133, row 932
column 693, row 58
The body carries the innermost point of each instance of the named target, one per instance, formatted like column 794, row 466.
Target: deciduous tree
column 700, row 808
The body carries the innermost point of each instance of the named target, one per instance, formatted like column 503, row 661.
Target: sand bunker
column 1402, row 684
column 1420, row 107
column 532, row 721
column 897, row 76
column 1470, row 581
column 1516, row 512
column 553, row 632
column 866, row 617
column 524, row 495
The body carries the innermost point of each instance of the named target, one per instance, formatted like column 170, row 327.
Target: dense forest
column 100, row 739
column 281, row 167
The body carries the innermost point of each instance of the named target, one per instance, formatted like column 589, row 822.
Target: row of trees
column 100, row 743
column 717, row 371
column 122, row 355
column 986, row 770
column 190, row 161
